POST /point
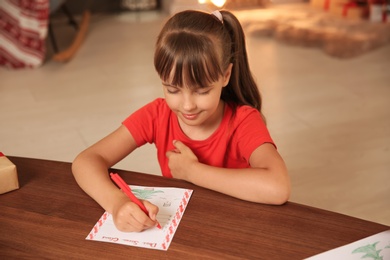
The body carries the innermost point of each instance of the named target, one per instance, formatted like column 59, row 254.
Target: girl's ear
column 226, row 76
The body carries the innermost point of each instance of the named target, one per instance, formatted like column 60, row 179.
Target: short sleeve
column 142, row 123
column 251, row 131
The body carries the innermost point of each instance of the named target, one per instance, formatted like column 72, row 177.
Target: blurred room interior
column 324, row 79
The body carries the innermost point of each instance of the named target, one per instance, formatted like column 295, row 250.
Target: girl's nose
column 189, row 103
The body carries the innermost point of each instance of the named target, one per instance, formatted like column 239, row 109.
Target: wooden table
column 50, row 216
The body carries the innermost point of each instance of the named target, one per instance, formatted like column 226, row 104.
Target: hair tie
column 218, row 15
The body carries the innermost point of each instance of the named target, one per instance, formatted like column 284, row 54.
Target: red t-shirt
column 230, row 146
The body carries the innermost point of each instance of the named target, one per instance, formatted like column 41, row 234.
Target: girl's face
column 199, row 107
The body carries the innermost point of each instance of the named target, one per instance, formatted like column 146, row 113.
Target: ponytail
column 242, row 88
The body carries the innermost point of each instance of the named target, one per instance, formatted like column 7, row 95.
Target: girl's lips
column 190, row 116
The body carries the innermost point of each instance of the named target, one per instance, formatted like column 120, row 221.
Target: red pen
column 126, row 189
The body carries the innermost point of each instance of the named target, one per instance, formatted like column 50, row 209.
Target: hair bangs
column 185, row 59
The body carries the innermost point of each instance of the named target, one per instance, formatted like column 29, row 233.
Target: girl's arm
column 266, row 181
column 90, row 169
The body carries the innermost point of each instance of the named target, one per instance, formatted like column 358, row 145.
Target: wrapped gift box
column 8, row 175
column 327, row 5
column 349, row 10
column 322, row 4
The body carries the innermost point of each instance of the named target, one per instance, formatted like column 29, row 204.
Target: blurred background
column 323, row 74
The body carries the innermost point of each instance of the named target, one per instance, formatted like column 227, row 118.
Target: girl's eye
column 172, row 91
column 203, row 92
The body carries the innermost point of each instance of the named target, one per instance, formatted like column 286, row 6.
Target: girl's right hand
column 128, row 216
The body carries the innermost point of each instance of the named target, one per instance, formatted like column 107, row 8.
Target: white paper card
column 172, row 203
column 376, row 247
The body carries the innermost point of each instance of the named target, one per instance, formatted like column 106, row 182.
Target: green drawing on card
column 370, row 251
column 145, row 194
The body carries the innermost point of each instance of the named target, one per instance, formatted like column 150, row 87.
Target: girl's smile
column 190, row 116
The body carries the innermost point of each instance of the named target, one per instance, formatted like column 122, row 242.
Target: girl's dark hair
column 195, row 48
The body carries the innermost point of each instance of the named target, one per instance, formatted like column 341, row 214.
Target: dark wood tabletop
column 50, row 216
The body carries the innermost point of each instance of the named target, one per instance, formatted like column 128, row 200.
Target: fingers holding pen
column 152, row 209
column 130, row 213
column 130, row 218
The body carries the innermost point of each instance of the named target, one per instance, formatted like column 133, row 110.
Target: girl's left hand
column 180, row 160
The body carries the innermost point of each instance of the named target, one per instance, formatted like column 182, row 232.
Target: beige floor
column 330, row 118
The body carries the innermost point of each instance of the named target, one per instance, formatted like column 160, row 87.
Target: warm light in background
column 218, row 3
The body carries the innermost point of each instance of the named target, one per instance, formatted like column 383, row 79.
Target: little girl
column 208, row 130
